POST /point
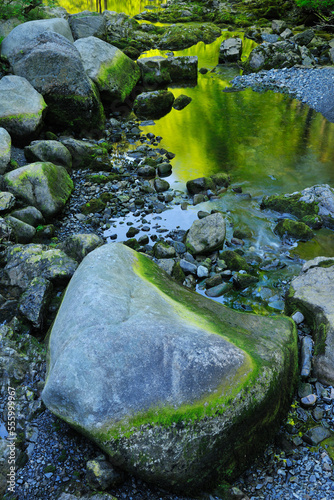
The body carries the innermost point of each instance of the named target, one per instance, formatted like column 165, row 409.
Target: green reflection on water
column 130, row 7
column 322, row 244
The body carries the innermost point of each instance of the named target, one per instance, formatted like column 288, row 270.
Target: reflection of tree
column 130, row 7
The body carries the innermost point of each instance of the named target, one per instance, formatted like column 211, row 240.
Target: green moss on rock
column 293, row 229
column 290, row 204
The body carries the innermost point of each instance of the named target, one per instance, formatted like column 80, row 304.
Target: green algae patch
column 116, row 82
column 291, row 204
column 294, row 229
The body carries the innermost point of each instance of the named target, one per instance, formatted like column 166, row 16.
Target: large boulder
column 25, row 33
column 181, row 36
column 83, row 25
column 282, row 54
column 312, row 293
column 152, row 373
column 158, row 70
column 5, row 149
column 43, row 185
column 114, row 73
column 206, row 235
column 53, row 66
column 153, row 104
column 26, row 262
column 21, row 108
column 230, row 50
column 52, row 151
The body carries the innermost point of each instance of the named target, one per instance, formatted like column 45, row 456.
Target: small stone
column 298, row 317
column 315, row 435
column 308, row 401
column 202, row 272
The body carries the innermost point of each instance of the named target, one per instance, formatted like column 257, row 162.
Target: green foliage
column 25, row 10
column 318, row 5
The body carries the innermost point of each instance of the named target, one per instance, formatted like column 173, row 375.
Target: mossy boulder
column 153, row 104
column 114, row 73
column 72, row 98
column 313, row 205
column 22, row 108
column 88, row 155
column 181, row 102
column 43, row 185
column 154, row 70
column 92, row 206
column 312, row 293
column 202, row 184
column 293, row 229
column 181, row 36
column 174, row 387
column 52, row 151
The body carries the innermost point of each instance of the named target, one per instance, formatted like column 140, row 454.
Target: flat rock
column 206, row 235
column 149, row 371
column 313, row 294
column 21, row 108
column 43, row 185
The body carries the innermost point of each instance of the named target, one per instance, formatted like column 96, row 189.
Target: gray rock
column 21, row 107
column 101, row 475
column 21, row 232
column 43, row 185
column 163, row 251
column 282, row 54
column 84, row 26
column 85, row 154
column 127, row 352
column 7, row 201
column 35, row 300
column 160, row 185
column 318, row 262
column 77, row 246
column 304, row 38
column 183, row 68
column 29, row 215
column 206, row 235
column 21, row 36
column 164, row 169
column 167, row 265
column 52, row 151
column 5, row 231
column 202, row 272
column 312, row 293
column 5, row 149
column 230, row 50
column 218, row 290
column 114, row 73
column 71, row 97
column 188, row 267
column 298, row 317
column 306, row 357
column 286, row 34
column 317, row 434
column 6, row 26
column 29, row 261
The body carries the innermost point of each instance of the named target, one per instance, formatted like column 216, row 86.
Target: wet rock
column 154, row 70
column 214, row 280
column 293, row 229
column 312, row 293
column 114, row 73
column 167, row 265
column 243, row 280
column 35, row 300
column 28, row 261
column 278, row 26
column 202, row 272
column 77, row 246
column 218, row 290
column 49, row 151
column 206, row 235
column 304, row 38
column 7, row 201
column 188, row 267
column 29, row 215
column 153, row 104
column 163, row 250
column 183, row 69
column 306, row 357
column 315, row 435
column 164, row 169
column 21, row 232
column 83, row 26
column 309, row 400
column 230, row 50
column 86, row 154
column 113, row 297
column 181, row 102
column 180, row 36
column 21, row 108
column 281, row 54
column 44, row 185
column 200, row 185
column 146, row 171
column 5, row 150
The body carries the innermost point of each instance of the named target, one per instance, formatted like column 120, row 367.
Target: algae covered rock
column 293, row 229
column 22, row 108
column 206, row 235
column 153, row 104
column 114, row 73
column 181, row 102
column 181, row 36
column 151, row 372
column 43, row 185
column 312, row 293
column 25, row 262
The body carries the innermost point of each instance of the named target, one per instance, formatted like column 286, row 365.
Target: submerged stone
column 150, row 372
column 153, row 104
column 293, row 229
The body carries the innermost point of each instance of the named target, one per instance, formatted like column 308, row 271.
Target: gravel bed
column 312, row 86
